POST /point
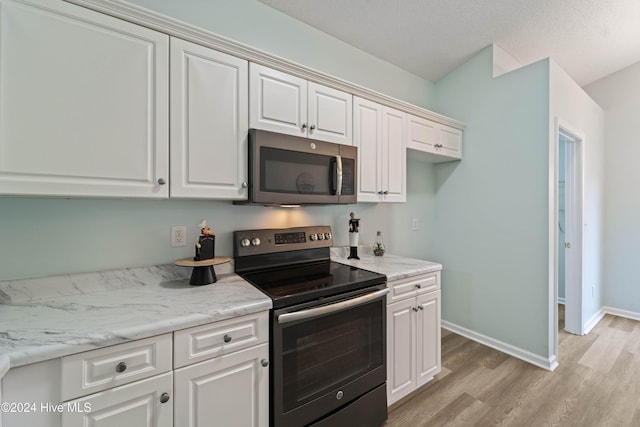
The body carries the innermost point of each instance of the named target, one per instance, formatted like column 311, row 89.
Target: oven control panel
column 271, row 240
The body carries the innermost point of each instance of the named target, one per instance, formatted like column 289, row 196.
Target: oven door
column 285, row 169
column 326, row 355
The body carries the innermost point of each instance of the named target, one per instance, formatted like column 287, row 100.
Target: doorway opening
column 569, row 229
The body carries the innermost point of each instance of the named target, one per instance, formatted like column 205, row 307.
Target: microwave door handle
column 332, row 308
column 338, row 180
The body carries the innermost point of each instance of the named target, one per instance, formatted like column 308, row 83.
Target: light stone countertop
column 54, row 316
column 395, row 267
column 50, row 317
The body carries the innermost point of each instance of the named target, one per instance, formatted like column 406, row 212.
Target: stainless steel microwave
column 291, row 170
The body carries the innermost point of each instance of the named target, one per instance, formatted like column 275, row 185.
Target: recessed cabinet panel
column 330, row 114
column 394, row 171
column 422, row 133
column 451, row 140
column 278, row 101
column 401, row 341
column 367, row 119
column 230, row 390
column 83, row 103
column 209, row 123
column 428, row 337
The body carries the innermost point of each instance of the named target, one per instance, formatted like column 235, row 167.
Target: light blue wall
column 40, row 236
column 260, row 26
column 492, row 208
column 619, row 96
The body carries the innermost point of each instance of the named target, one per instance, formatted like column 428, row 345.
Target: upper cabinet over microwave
column 282, row 103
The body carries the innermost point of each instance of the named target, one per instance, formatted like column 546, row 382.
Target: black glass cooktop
column 305, row 282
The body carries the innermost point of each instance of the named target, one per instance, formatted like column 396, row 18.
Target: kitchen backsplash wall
column 46, row 236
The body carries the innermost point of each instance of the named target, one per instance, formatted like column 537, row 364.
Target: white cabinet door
column 278, row 101
column 330, row 114
column 83, row 103
column 142, row 403
column 230, row 390
column 401, row 350
column 422, row 134
column 428, row 334
column 394, row 155
column 441, row 143
column 209, row 123
column 367, row 136
column 450, row 142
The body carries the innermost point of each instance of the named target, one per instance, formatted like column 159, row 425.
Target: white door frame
column 574, row 187
column 573, row 232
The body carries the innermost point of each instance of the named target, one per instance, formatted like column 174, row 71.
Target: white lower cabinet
column 141, row 403
column 218, row 377
column 413, row 335
column 226, row 391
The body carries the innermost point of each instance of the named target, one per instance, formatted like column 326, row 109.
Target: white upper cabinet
column 443, row 143
column 83, row 103
column 283, row 103
column 379, row 134
column 209, row 123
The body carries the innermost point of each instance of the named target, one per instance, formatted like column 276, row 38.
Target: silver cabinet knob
column 420, row 307
column 414, row 308
column 162, row 181
column 385, row 192
column 312, row 128
column 380, row 192
column 304, row 126
column 164, row 398
column 245, row 185
column 418, row 285
column 264, row 362
column 121, row 367
column 227, row 338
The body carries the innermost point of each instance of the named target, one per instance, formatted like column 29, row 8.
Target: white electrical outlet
column 178, row 235
column 414, row 224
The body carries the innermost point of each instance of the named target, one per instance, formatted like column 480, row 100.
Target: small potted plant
column 378, row 246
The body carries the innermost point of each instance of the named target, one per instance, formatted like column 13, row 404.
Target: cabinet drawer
column 413, row 286
column 100, row 369
column 215, row 339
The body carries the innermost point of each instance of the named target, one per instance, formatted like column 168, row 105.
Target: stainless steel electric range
column 327, row 332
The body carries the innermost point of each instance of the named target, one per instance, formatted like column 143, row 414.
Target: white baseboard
column 622, row 313
column 591, row 323
column 549, row 364
column 560, row 300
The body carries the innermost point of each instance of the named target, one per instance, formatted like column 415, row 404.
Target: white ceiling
column 588, row 38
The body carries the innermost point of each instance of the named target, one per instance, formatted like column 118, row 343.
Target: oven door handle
column 332, row 308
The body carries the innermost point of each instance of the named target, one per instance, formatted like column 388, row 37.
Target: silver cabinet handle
column 162, row 181
column 332, row 308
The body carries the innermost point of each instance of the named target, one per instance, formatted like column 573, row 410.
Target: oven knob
column 244, row 243
column 320, row 236
column 255, row 241
column 327, row 236
column 313, row 237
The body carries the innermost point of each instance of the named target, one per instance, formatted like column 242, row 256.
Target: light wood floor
column 596, row 384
